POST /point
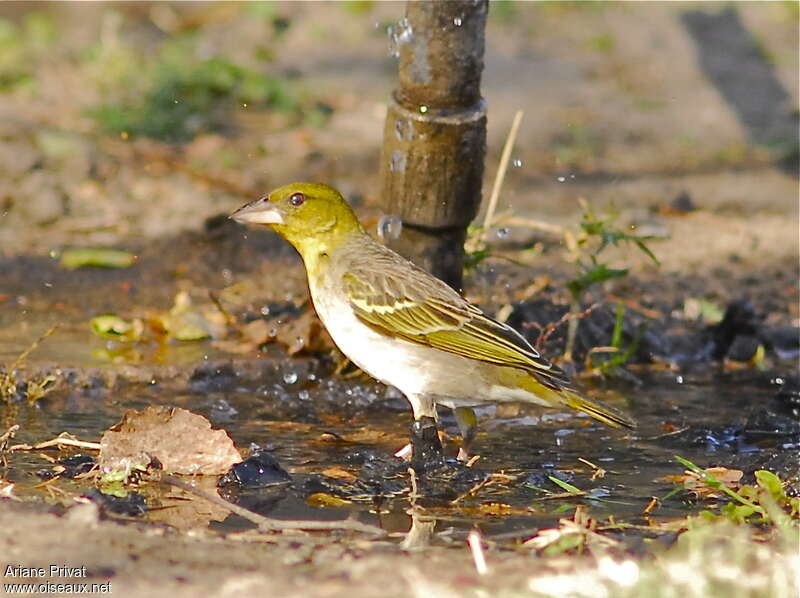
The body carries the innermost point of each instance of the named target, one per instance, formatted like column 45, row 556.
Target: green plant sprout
column 764, row 503
column 586, row 248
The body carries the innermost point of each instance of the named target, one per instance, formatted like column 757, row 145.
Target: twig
column 62, row 439
column 229, row 319
column 645, row 311
column 268, row 523
column 501, row 172
column 537, row 224
column 494, row 478
column 475, row 547
column 552, row 326
column 598, row 472
column 650, row 506
column 24, row 355
column 6, row 436
column 414, row 490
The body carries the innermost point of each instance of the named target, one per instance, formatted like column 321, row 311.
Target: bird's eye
column 297, row 199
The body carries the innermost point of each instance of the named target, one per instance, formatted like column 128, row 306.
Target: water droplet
column 457, row 21
column 290, row 377
column 264, row 310
column 679, row 379
column 390, row 227
column 303, row 395
column 423, row 108
column 397, row 163
column 516, row 163
column 561, row 179
column 502, row 233
column 399, row 34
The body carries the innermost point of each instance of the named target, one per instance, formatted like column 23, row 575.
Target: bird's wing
column 412, row 305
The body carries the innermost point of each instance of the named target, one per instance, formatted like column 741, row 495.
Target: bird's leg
column 468, row 425
column 425, row 444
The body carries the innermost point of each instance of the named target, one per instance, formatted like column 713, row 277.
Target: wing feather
column 423, row 310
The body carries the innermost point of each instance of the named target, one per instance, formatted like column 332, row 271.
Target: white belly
column 393, row 361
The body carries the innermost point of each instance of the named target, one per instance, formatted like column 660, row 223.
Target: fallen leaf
column 321, row 499
column 103, row 258
column 183, row 442
column 339, row 473
column 304, row 334
column 693, row 482
column 111, row 326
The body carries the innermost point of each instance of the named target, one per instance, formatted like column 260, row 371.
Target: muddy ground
column 637, row 108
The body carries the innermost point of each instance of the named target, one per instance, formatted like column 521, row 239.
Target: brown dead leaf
column 304, row 334
column 496, row 508
column 299, row 334
column 339, row 473
column 254, row 334
column 184, row 511
column 693, row 482
column 323, row 499
column 183, row 442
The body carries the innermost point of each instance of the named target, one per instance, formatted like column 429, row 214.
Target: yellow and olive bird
column 405, row 327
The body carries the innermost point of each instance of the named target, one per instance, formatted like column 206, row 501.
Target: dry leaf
column 183, row 442
column 184, row 511
column 322, row 499
column 694, row 482
column 339, row 473
column 305, row 333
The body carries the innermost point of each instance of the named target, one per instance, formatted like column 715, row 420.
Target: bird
column 405, row 327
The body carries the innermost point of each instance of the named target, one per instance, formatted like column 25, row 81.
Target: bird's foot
column 426, row 448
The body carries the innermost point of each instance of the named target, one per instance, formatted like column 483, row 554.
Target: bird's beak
column 260, row 211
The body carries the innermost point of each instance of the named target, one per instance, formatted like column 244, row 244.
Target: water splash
column 399, row 34
column 390, row 227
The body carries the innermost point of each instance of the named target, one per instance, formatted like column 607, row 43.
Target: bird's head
column 314, row 218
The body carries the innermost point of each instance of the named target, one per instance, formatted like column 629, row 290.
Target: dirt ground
column 627, row 106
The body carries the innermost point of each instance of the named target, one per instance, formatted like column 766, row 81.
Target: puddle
column 311, row 422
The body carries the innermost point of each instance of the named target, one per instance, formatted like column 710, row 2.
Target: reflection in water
column 421, row 532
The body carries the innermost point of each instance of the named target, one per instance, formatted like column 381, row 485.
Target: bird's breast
column 412, row 368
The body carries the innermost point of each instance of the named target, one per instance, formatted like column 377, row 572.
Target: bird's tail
column 557, row 395
column 599, row 411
